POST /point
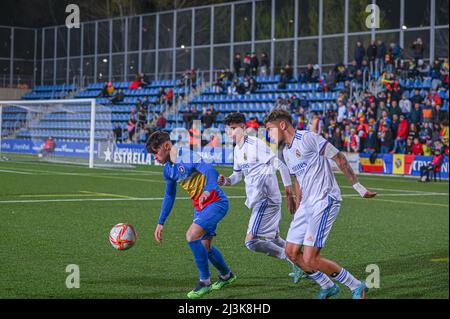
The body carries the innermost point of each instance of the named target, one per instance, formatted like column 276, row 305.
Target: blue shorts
column 210, row 216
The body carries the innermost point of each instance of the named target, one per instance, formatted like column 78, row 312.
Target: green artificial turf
column 53, row 215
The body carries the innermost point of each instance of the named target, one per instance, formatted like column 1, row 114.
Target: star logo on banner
column 108, row 155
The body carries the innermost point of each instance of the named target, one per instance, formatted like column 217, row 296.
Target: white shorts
column 311, row 225
column 265, row 220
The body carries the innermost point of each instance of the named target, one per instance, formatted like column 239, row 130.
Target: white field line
column 124, row 198
column 15, row 172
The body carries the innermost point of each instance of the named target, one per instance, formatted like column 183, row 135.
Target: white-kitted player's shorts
column 265, row 219
column 311, row 225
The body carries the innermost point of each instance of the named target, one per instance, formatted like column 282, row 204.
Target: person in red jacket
column 402, row 135
column 362, row 130
column 417, row 147
column 48, row 148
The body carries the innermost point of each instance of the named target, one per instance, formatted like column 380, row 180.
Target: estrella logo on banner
column 402, row 164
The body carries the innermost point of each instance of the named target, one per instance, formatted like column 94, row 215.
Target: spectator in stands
column 412, row 132
column 137, row 83
column 417, row 148
column 371, row 142
column 142, row 118
column 427, row 111
column 283, row 79
column 405, row 105
column 253, row 86
column 48, row 148
column 402, row 135
column 169, row 97
column 431, row 167
column 237, row 64
column 108, row 89
column 423, row 69
column 307, row 75
column 409, row 145
column 362, row 130
column 395, row 109
column 372, row 54
column 160, row 95
column 188, row 117
column 425, row 132
column 342, row 112
column 265, row 64
column 131, row 127
column 161, row 122
column 289, row 72
column 117, row 133
column 336, row 138
column 416, row 114
column 254, row 64
column 118, row 97
column 381, row 56
column 426, row 148
column 208, row 119
column 418, row 49
column 360, row 53
column 353, row 142
column 247, row 64
column 385, row 139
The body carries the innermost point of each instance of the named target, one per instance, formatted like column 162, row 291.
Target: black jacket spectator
column 254, row 64
column 360, row 53
column 372, row 51
column 237, row 64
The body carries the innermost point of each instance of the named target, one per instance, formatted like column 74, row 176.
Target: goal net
column 76, row 131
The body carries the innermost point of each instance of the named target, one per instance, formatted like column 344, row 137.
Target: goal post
column 77, row 126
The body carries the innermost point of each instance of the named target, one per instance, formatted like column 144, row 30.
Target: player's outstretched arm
column 233, row 179
column 344, row 166
column 166, row 208
column 298, row 194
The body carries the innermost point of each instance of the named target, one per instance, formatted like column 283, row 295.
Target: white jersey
column 254, row 160
column 307, row 159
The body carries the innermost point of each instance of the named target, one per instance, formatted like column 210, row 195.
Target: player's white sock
column 346, row 278
column 280, row 242
column 266, row 247
column 206, row 281
column 323, row 280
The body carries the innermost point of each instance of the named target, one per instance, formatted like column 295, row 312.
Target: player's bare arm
column 345, row 167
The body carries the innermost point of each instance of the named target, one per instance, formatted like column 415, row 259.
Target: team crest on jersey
column 181, row 169
column 297, row 152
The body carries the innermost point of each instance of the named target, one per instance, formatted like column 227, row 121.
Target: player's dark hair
column 155, row 140
column 234, row 118
column 278, row 114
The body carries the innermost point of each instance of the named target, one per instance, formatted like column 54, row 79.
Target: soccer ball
column 122, row 236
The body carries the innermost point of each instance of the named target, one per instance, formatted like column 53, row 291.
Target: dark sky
column 39, row 13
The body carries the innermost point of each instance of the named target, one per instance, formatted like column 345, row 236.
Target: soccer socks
column 346, row 278
column 216, row 258
column 323, row 280
column 267, row 247
column 201, row 260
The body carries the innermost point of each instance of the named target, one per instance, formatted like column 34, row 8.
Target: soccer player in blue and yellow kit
column 210, row 206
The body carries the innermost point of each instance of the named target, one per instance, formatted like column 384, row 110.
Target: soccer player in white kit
column 318, row 200
column 254, row 160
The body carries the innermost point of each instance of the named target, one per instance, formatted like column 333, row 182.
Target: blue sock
column 201, row 258
column 216, row 258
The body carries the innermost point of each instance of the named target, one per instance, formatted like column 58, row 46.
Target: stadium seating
column 75, row 126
